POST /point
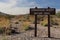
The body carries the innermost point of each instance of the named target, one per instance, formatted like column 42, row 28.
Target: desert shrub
column 10, row 16
column 8, row 31
column 58, row 14
column 2, row 30
column 44, row 23
column 40, row 17
column 12, row 30
column 19, row 20
column 53, row 22
column 26, row 27
column 17, row 23
column 4, row 38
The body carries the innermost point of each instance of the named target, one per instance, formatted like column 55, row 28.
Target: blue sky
column 44, row 3
column 22, row 6
column 50, row 3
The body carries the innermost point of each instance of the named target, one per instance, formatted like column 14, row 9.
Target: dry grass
column 4, row 22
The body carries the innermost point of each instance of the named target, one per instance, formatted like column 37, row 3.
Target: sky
column 19, row 7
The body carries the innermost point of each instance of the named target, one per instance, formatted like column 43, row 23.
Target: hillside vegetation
column 23, row 22
column 5, row 19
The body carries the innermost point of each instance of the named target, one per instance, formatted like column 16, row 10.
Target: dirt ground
column 42, row 34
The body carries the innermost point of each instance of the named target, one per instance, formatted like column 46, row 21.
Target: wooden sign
column 42, row 11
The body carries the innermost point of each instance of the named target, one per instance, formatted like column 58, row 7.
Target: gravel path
column 29, row 35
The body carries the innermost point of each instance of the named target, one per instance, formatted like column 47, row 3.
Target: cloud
column 4, row 7
column 16, row 7
column 9, row 4
column 18, row 10
column 10, row 7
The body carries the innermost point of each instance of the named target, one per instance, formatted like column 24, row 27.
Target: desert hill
column 6, row 19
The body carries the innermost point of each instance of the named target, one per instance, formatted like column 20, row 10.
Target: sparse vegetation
column 26, row 20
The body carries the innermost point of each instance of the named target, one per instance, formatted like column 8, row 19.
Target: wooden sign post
column 42, row 11
column 35, row 25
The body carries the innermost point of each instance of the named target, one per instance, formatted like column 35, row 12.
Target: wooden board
column 42, row 11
